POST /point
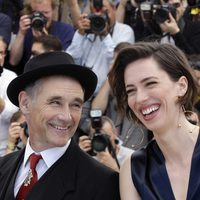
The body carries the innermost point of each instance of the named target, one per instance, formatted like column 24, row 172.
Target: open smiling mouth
column 149, row 111
column 58, row 127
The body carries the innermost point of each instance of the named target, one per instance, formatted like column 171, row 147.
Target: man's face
column 2, row 53
column 109, row 10
column 45, row 7
column 179, row 8
column 108, row 130
column 54, row 112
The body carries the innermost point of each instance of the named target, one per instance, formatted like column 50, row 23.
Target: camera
column 162, row 13
column 99, row 19
column 97, row 22
column 25, row 127
column 99, row 140
column 38, row 20
column 153, row 10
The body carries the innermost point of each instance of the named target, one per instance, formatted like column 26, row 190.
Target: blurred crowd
column 93, row 32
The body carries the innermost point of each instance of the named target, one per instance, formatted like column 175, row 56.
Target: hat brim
column 86, row 77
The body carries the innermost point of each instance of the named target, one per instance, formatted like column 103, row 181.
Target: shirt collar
column 50, row 156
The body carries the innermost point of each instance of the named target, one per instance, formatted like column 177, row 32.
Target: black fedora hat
column 52, row 63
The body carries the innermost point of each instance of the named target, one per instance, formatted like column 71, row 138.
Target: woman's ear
column 24, row 102
column 182, row 86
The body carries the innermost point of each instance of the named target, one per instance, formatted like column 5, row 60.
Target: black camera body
column 153, row 10
column 97, row 22
column 99, row 140
column 38, row 20
column 25, row 127
column 162, row 13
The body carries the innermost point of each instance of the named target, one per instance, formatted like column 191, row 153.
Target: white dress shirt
column 97, row 53
column 49, row 157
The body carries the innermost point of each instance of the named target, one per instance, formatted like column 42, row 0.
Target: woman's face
column 152, row 95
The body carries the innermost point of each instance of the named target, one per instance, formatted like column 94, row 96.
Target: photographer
column 94, row 41
column 17, row 132
column 130, row 12
column 36, row 20
column 104, row 143
column 184, row 32
column 6, row 76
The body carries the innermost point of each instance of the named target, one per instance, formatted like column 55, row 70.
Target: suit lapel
column 8, row 175
column 60, row 178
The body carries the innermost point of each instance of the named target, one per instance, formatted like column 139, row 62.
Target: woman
column 154, row 85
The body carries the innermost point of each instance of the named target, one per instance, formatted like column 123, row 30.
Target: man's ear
column 182, row 86
column 24, row 102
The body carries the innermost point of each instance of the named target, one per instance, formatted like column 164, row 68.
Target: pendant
column 27, row 181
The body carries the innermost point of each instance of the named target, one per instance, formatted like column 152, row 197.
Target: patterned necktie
column 31, row 179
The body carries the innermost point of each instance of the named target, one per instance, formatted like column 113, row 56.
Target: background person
column 20, row 50
column 183, row 32
column 6, row 107
column 162, row 89
column 45, row 43
column 114, row 154
column 17, row 134
column 50, row 94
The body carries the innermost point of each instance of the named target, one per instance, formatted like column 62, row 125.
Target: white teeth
column 60, row 128
column 149, row 110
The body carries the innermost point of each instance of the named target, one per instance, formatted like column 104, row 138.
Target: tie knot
column 34, row 159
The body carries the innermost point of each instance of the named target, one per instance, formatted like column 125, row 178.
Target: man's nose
column 65, row 114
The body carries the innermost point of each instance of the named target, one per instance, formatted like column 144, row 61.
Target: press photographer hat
column 52, row 63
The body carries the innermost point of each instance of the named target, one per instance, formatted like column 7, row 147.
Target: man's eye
column 77, row 106
column 55, row 102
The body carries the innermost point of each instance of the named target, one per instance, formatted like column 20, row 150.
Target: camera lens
column 37, row 24
column 98, row 23
column 38, row 21
column 99, row 142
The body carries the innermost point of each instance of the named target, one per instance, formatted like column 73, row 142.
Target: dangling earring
column 179, row 124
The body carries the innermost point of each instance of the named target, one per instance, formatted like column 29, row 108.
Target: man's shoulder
column 9, row 73
column 92, row 165
column 8, row 161
column 122, row 26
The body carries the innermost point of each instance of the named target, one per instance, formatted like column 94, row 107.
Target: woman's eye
column 130, row 92
column 151, row 83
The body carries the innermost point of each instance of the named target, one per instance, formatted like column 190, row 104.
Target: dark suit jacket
column 75, row 176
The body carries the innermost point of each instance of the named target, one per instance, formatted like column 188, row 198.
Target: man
column 6, row 107
column 181, row 31
column 50, row 93
column 21, row 47
column 112, row 153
